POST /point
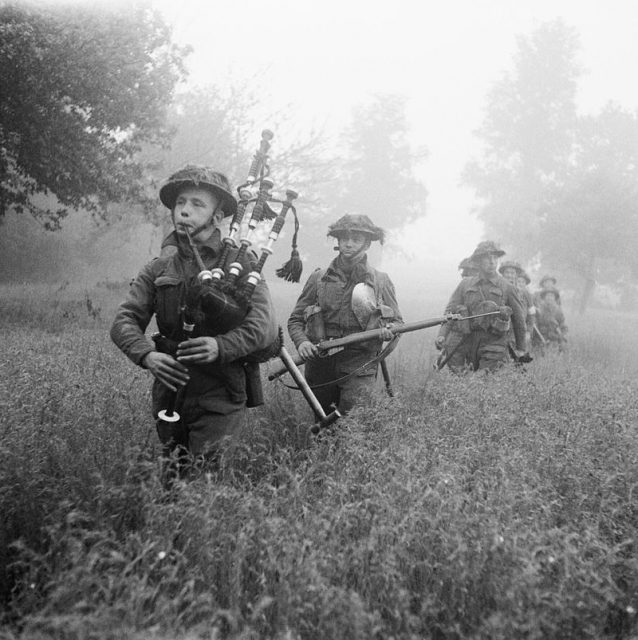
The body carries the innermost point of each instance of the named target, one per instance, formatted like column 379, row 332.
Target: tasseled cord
column 291, row 271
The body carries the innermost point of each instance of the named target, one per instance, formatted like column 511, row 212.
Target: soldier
column 527, row 300
column 551, row 319
column 514, row 273
column 207, row 369
column 545, row 281
column 347, row 297
column 486, row 346
column 451, row 334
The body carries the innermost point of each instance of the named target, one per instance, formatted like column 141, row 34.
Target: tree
column 556, row 186
column 216, row 125
column 83, row 90
column 377, row 177
column 527, row 137
column 591, row 222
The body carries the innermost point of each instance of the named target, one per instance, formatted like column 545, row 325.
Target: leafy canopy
column 378, row 171
column 82, row 90
column 557, row 186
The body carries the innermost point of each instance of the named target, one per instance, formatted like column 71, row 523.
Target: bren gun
column 330, row 346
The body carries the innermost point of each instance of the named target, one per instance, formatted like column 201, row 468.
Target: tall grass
column 497, row 506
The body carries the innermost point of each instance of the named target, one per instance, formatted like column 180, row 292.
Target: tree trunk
column 590, row 285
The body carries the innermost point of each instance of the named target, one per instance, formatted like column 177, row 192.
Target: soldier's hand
column 166, row 369
column 203, row 350
column 307, row 350
column 439, row 342
column 386, row 333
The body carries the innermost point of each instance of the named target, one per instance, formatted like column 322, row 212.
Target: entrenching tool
column 297, row 376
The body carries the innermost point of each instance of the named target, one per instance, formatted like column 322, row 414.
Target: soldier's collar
column 212, row 244
column 336, row 266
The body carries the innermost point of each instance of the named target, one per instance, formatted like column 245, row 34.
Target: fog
column 321, row 59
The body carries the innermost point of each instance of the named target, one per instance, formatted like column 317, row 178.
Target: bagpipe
column 218, row 300
column 223, row 293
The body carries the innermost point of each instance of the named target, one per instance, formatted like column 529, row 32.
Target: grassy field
column 498, row 506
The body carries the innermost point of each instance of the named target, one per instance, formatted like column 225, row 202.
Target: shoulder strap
column 321, row 285
column 379, row 279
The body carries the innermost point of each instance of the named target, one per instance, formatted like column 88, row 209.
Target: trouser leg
column 318, row 373
column 492, row 352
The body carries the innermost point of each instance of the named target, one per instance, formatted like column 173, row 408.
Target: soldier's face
column 521, row 283
column 487, row 263
column 196, row 209
column 352, row 243
column 510, row 275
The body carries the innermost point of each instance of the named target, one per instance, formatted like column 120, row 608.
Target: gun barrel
column 372, row 334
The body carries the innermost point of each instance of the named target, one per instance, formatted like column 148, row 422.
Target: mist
column 317, row 66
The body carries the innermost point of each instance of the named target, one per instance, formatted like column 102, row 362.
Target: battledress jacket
column 331, row 289
column 471, row 292
column 159, row 290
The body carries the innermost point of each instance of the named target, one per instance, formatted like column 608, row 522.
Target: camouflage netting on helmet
column 548, row 278
column 467, row 265
column 545, row 290
column 523, row 274
column 511, row 264
column 356, row 223
column 199, row 177
column 487, row 247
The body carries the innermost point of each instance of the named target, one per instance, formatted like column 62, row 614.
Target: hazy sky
column 324, row 57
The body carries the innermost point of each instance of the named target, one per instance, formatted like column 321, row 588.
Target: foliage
column 84, row 89
column 596, row 204
column 556, row 186
column 527, row 135
column 216, row 125
column 493, row 506
column 377, row 177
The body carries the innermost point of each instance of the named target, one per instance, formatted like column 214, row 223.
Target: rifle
column 331, row 346
column 540, row 335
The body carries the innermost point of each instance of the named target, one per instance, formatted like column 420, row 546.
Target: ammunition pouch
column 314, row 326
column 498, row 325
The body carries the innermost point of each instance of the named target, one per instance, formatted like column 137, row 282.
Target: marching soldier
column 207, row 370
column 348, row 297
column 451, row 334
column 486, row 345
column 527, row 300
column 547, row 281
column 551, row 319
column 514, row 273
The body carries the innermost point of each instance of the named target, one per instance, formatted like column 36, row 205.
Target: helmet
column 511, row 264
column 359, row 223
column 523, row 274
column 467, row 263
column 543, row 292
column 487, row 247
column 548, row 278
column 467, row 268
column 203, row 178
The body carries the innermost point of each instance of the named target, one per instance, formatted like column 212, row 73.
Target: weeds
column 500, row 506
